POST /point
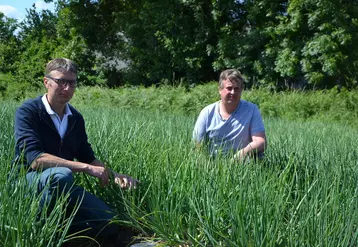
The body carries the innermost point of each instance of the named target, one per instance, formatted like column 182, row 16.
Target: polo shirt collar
column 49, row 109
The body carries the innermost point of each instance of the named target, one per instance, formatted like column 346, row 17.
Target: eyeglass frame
column 63, row 82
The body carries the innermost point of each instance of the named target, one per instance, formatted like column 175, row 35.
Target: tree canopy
column 278, row 44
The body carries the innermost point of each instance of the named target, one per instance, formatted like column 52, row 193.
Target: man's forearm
column 253, row 147
column 256, row 146
column 46, row 160
column 97, row 162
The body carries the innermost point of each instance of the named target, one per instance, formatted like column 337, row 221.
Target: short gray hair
column 61, row 64
column 231, row 75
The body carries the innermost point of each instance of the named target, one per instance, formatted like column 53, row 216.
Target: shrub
column 324, row 105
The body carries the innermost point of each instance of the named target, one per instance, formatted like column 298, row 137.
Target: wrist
column 86, row 168
column 248, row 149
column 97, row 162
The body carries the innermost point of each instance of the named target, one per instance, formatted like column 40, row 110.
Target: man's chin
column 65, row 100
column 232, row 101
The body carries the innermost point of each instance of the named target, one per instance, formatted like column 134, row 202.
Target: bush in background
column 327, row 105
column 337, row 105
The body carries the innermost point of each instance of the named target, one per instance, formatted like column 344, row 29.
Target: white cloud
column 40, row 5
column 10, row 11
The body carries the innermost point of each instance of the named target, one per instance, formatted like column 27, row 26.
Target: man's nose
column 66, row 86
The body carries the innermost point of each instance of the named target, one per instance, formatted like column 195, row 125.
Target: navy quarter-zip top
column 35, row 134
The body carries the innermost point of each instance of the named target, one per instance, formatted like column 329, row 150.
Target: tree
column 274, row 43
column 315, row 43
column 169, row 40
column 38, row 38
column 9, row 44
column 73, row 45
column 244, row 35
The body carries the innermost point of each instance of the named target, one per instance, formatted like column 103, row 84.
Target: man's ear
column 46, row 82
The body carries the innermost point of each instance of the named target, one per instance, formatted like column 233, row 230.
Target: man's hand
column 99, row 172
column 257, row 145
column 239, row 156
column 96, row 168
column 125, row 181
column 103, row 174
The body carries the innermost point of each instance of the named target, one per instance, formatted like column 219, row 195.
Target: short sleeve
column 199, row 131
column 257, row 124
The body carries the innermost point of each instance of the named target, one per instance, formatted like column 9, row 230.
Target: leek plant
column 304, row 192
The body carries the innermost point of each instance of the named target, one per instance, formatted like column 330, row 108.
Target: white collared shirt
column 61, row 125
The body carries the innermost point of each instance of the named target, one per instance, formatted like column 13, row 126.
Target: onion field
column 304, row 193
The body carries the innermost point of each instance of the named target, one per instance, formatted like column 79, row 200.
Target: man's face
column 230, row 92
column 60, row 91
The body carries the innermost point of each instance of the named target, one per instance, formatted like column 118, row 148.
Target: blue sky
column 16, row 8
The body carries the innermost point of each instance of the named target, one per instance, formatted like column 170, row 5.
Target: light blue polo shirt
column 231, row 135
column 61, row 125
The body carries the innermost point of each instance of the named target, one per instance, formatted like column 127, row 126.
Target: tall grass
column 21, row 221
column 303, row 194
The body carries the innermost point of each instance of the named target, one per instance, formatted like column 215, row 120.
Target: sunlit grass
column 303, row 194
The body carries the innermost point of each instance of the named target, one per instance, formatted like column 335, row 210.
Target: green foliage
column 315, row 41
column 37, row 42
column 167, row 40
column 303, row 193
column 89, row 37
column 9, row 43
column 11, row 89
column 278, row 44
column 333, row 105
column 4, row 81
column 71, row 44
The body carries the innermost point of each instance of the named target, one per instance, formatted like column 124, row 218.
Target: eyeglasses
column 63, row 82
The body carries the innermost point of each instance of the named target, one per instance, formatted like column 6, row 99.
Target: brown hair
column 231, row 75
column 61, row 64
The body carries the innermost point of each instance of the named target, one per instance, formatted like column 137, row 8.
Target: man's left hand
column 125, row 181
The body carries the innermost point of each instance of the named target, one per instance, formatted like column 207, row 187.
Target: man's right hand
column 100, row 172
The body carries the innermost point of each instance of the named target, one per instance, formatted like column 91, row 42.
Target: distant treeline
column 279, row 44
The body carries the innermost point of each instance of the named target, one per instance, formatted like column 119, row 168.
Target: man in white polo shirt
column 231, row 127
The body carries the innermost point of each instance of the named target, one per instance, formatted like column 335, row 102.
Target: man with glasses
column 232, row 126
column 51, row 142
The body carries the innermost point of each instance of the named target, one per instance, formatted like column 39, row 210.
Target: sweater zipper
column 60, row 151
column 61, row 143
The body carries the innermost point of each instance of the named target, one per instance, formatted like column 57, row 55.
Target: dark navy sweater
column 35, row 134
